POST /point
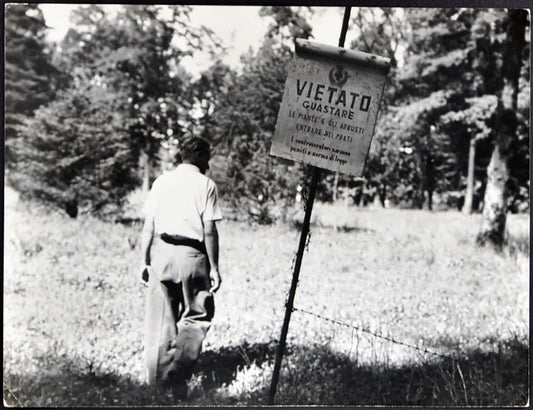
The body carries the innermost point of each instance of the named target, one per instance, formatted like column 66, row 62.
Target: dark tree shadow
column 66, row 387
column 310, row 376
column 478, row 378
column 68, row 384
column 220, row 366
column 317, row 376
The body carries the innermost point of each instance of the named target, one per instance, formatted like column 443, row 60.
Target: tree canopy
column 443, row 96
column 30, row 76
column 126, row 97
column 76, row 151
column 104, row 113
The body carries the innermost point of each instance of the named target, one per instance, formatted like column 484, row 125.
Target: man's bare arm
column 147, row 237
column 211, row 245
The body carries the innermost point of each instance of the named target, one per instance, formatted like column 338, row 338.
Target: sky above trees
column 239, row 28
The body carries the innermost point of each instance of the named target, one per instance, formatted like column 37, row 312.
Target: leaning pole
column 315, row 175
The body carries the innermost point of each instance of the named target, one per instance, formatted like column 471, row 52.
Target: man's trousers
column 178, row 312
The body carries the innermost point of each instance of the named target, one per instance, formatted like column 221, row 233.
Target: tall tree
column 76, row 151
column 477, row 120
column 495, row 206
column 288, row 23
column 131, row 62
column 434, row 80
column 243, row 108
column 449, row 64
column 380, row 31
column 140, row 50
column 246, row 118
column 208, row 93
column 478, row 112
column 30, row 77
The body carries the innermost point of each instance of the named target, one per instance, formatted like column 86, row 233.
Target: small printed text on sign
column 322, row 150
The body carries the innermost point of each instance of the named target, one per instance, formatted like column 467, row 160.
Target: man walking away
column 180, row 263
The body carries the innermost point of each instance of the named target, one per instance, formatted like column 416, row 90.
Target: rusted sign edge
column 310, row 49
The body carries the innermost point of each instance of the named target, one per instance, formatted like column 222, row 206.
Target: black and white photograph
column 266, row 205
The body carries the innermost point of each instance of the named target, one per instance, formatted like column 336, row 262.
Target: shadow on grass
column 67, row 383
column 518, row 244
column 311, row 375
column 342, row 227
column 74, row 389
column 498, row 378
column 220, row 366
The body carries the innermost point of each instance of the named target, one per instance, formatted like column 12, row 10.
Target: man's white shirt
column 181, row 201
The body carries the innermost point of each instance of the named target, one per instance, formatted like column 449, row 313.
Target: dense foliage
column 30, row 76
column 433, row 140
column 125, row 103
column 243, row 123
column 444, row 96
column 241, row 117
column 76, row 151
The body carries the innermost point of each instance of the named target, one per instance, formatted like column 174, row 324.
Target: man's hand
column 147, row 237
column 216, row 280
column 145, row 273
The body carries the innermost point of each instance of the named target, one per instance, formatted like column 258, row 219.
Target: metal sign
column 329, row 107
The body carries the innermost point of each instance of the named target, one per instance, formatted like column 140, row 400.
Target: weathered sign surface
column 329, row 107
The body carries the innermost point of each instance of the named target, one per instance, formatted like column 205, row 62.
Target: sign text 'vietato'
column 329, row 107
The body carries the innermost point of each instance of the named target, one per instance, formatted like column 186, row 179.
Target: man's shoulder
column 211, row 183
column 162, row 178
column 205, row 181
column 174, row 175
column 209, row 180
column 201, row 178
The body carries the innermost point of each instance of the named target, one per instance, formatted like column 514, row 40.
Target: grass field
column 73, row 311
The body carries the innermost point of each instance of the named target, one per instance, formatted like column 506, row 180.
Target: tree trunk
column 494, row 211
column 146, row 171
column 382, row 193
column 71, row 208
column 469, row 194
column 429, row 180
column 495, row 202
column 335, row 187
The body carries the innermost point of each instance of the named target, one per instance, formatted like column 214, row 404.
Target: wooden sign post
column 326, row 119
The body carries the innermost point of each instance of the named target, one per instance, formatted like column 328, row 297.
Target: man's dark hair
column 192, row 146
